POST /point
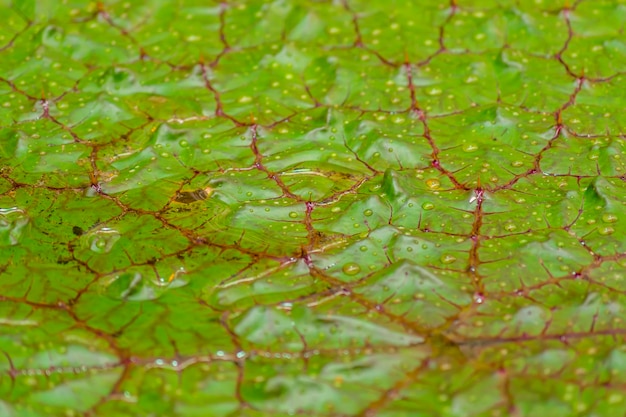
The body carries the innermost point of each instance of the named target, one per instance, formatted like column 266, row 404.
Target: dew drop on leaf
column 609, row 218
column 12, row 222
column 131, row 287
column 101, row 240
column 447, row 259
column 293, row 214
column 606, row 230
column 433, row 183
column 351, row 268
column 428, row 206
column 368, row 212
column 470, row 147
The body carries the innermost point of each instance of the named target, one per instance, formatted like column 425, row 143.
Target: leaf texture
column 314, row 208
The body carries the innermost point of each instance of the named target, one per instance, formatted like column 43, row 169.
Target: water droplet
column 286, row 306
column 363, row 248
column 173, row 280
column 470, row 147
column 510, row 227
column 12, row 222
column 609, row 218
column 433, row 183
column 368, row 212
column 479, row 298
column 447, row 259
column 351, row 268
column 130, row 287
column 428, row 206
column 183, row 143
column 606, row 230
column 293, row 214
column 101, row 240
column 517, row 163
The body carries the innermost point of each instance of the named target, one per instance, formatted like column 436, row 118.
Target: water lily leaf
column 317, row 208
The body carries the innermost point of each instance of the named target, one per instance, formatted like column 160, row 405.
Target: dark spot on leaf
column 188, row 197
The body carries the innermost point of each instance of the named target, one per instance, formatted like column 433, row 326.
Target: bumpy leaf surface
column 318, row 208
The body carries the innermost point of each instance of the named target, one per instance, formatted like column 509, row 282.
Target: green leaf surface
column 316, row 208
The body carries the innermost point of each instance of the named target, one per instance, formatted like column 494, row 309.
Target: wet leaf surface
column 347, row 208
